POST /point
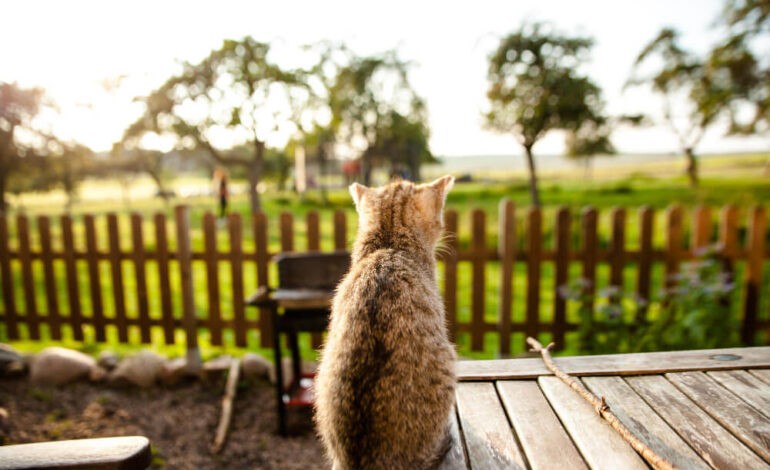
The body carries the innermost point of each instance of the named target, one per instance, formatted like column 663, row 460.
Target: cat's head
column 402, row 211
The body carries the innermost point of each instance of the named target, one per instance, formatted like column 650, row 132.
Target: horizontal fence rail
column 95, row 280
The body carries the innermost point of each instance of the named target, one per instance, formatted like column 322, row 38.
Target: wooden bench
column 107, row 453
column 306, row 283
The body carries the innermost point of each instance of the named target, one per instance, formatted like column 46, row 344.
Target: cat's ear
column 443, row 185
column 357, row 191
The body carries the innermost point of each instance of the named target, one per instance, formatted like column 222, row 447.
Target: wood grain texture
column 617, row 364
column 455, row 457
column 734, row 414
column 545, row 443
column 762, row 374
column 488, row 436
column 644, row 422
column 747, row 387
column 706, row 436
column 599, row 444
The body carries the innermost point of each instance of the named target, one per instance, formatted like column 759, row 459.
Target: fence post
column 236, row 276
column 644, row 274
column 534, row 252
column 140, row 271
column 25, row 256
column 46, row 253
column 755, row 257
column 260, row 241
column 561, row 273
column 163, row 259
column 94, row 279
column 478, row 289
column 9, row 301
column 507, row 243
column 73, row 287
column 590, row 254
column 184, row 254
column 674, row 244
column 118, row 294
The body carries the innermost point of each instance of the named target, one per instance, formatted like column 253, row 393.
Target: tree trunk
column 253, row 173
column 692, row 166
column 3, row 202
column 533, row 191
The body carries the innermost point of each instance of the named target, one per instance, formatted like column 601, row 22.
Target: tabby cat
column 385, row 384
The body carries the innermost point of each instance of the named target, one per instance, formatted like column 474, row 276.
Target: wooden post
column 450, row 272
column 46, row 253
column 287, row 232
column 674, row 244
column 534, row 252
column 507, row 244
column 755, row 258
column 94, row 279
column 118, row 292
column 9, row 300
column 701, row 232
column 259, row 221
column 644, row 275
column 184, row 255
column 31, row 315
column 211, row 257
column 340, row 230
column 478, row 284
column 236, row 275
column 590, row 254
column 728, row 238
column 140, row 271
column 73, row 288
column 163, row 259
column 561, row 274
column 313, row 237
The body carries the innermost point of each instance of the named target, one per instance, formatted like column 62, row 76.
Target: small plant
column 694, row 313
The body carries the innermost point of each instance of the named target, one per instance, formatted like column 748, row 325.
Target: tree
column 685, row 83
column 18, row 106
column 590, row 138
column 535, row 87
column 237, row 91
column 371, row 102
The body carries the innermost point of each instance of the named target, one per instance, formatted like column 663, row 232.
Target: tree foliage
column 535, row 87
column 236, row 91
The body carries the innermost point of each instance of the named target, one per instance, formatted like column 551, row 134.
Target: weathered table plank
column 488, row 436
column 600, row 445
column 455, row 458
column 763, row 375
column 620, row 364
column 712, row 442
column 644, row 422
column 748, row 387
column 743, row 421
column 107, row 453
column 545, row 442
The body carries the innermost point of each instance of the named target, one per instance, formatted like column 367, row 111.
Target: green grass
column 745, row 187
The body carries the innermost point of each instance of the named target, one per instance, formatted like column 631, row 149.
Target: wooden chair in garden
column 300, row 303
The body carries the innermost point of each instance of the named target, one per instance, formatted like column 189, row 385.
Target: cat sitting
column 386, row 380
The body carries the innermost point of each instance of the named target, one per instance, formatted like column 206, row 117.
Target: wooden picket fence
column 742, row 248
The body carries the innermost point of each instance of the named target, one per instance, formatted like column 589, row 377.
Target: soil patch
column 179, row 421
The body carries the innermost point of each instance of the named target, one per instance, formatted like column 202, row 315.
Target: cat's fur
column 385, row 385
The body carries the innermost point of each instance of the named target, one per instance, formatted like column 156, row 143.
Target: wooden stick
column 227, row 405
column 601, row 407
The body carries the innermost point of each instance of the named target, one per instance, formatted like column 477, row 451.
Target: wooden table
column 698, row 409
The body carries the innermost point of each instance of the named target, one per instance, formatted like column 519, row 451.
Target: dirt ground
column 180, row 422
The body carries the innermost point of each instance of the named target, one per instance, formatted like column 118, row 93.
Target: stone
column 11, row 361
column 173, row 370
column 58, row 366
column 215, row 368
column 142, row 369
column 108, row 360
column 254, row 366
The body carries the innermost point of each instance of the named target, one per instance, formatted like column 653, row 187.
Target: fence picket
column 211, row 258
column 94, row 279
column 25, row 256
column 674, row 244
column 259, row 221
column 313, row 228
column 6, row 271
column 756, row 250
column 71, row 273
column 728, row 239
column 184, row 256
column 701, row 232
column 140, row 271
column 561, row 275
column 644, row 269
column 118, row 292
column 534, row 250
column 53, row 318
column 236, row 274
column 590, row 254
column 287, row 232
column 450, row 255
column 507, row 245
column 164, row 280
column 340, row 230
column 478, row 290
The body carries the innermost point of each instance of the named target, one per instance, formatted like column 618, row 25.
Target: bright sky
column 71, row 47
